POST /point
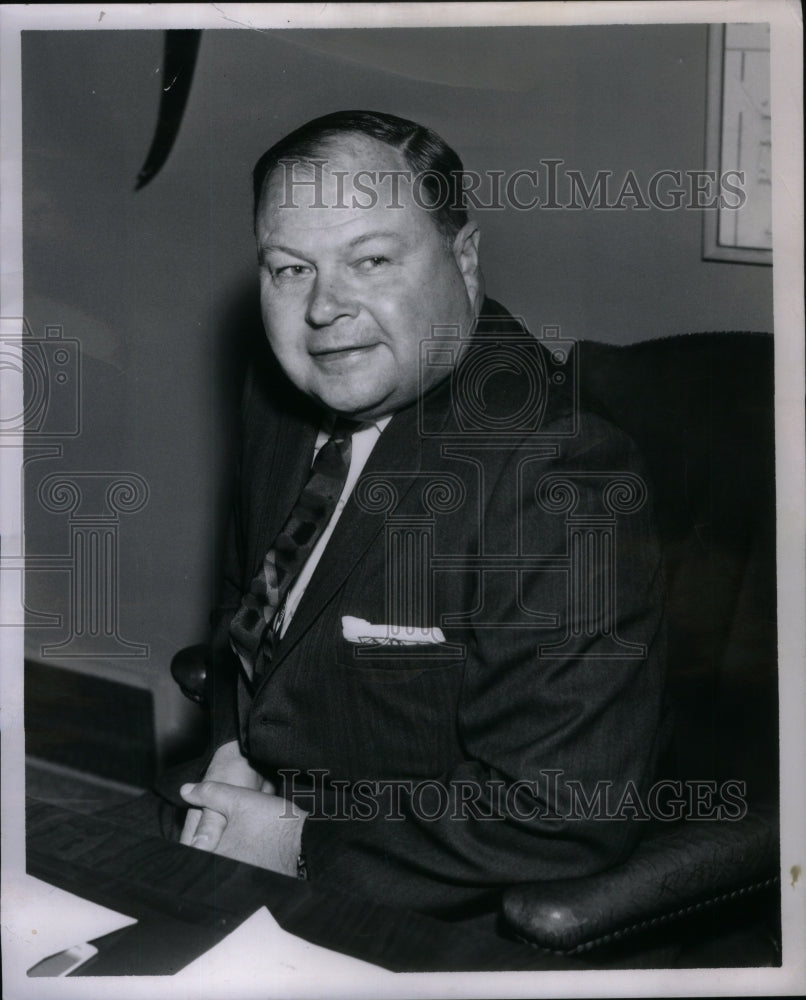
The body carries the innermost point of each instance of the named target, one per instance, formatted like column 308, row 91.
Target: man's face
column 348, row 293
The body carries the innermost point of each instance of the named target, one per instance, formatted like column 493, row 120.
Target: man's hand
column 203, row 828
column 262, row 829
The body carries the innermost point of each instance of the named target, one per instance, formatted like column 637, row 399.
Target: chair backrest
column 700, row 408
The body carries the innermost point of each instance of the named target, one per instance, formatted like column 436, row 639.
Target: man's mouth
column 340, row 353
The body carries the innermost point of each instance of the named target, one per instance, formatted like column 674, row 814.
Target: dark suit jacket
column 553, row 660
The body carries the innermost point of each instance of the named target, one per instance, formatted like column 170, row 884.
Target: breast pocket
column 394, row 664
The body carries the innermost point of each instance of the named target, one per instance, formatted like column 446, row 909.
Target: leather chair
column 694, row 892
column 700, row 408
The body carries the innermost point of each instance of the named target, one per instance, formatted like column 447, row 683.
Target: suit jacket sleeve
column 544, row 732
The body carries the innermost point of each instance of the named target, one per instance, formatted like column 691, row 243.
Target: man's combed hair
column 426, row 154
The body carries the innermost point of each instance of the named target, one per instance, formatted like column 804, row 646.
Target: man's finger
column 215, row 799
column 191, row 822
column 217, row 795
column 209, row 831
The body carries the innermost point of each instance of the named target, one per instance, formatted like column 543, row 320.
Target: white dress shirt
column 364, row 440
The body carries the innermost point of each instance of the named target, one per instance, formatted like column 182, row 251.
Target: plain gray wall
column 159, row 285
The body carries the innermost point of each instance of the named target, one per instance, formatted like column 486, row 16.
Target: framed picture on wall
column 738, row 143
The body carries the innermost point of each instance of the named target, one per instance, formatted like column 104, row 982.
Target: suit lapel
column 285, row 463
column 399, row 451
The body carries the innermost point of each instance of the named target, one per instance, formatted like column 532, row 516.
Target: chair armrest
column 675, row 873
column 190, row 670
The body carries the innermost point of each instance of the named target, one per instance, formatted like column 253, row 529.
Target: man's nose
column 330, row 300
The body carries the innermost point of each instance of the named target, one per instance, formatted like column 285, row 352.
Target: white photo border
column 787, row 144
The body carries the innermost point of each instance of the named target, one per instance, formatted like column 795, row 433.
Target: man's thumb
column 213, row 821
column 208, row 795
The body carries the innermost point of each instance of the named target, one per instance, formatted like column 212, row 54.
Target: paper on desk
column 260, row 952
column 39, row 920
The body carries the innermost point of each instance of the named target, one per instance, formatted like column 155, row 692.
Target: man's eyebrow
column 357, row 241
column 374, row 235
column 268, row 247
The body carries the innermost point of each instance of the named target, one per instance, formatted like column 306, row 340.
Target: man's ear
column 466, row 255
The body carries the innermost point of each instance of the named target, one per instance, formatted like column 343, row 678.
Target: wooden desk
column 185, row 901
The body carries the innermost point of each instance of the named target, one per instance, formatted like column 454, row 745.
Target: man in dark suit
column 456, row 677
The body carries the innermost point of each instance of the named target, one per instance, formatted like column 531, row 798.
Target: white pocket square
column 364, row 633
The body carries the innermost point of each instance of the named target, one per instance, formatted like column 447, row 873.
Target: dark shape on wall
column 178, row 64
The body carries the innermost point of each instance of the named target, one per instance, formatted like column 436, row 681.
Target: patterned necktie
column 255, row 626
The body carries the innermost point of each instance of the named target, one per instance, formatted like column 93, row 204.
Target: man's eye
column 372, row 263
column 290, row 271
